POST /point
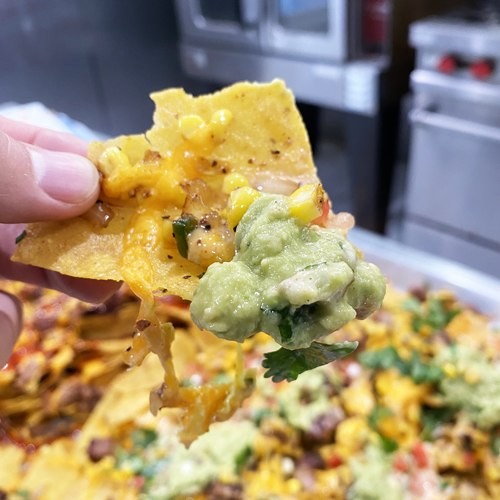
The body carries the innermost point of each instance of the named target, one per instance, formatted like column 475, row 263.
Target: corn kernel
column 238, row 204
column 306, row 203
column 113, row 159
column 450, row 370
column 119, row 174
column 234, row 181
column 194, row 129
column 219, row 122
column 190, row 125
column 169, row 189
column 471, row 377
column 293, row 486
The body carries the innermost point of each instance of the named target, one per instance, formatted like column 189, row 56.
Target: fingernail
column 10, row 326
column 63, row 176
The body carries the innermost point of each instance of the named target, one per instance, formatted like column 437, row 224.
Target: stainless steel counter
column 406, row 267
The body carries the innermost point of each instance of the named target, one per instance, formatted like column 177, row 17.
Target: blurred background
column 401, row 98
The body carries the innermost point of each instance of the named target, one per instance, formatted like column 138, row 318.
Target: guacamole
column 293, row 281
column 476, row 388
column 213, row 455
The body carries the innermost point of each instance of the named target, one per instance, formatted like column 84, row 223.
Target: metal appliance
column 328, row 41
column 347, row 55
column 453, row 188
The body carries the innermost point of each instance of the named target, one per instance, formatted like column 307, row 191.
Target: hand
column 44, row 175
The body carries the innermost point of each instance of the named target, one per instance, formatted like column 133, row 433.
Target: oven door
column 312, row 29
column 225, row 22
column 454, row 176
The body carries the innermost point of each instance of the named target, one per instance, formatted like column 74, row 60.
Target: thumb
column 37, row 184
column 10, row 325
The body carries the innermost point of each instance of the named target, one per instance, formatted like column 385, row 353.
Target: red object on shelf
column 447, row 64
column 481, row 69
column 376, row 18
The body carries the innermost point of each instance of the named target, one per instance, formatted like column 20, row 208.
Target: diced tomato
column 334, row 461
column 323, row 218
column 420, row 455
column 469, row 459
column 139, row 482
column 20, row 354
column 401, row 463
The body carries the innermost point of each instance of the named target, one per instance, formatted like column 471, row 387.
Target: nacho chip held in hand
column 220, row 204
column 198, row 150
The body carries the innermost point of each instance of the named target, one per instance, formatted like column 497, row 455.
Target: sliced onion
column 100, row 215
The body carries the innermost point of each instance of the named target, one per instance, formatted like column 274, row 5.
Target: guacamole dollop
column 478, row 398
column 293, row 281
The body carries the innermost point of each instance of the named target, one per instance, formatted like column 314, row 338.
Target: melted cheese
column 152, row 185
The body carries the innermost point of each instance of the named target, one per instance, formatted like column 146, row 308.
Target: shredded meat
column 323, row 428
column 85, row 396
column 100, row 448
column 224, row 491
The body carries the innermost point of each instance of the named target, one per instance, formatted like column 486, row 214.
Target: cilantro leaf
column 414, row 367
column 434, row 314
column 243, row 458
column 432, row 418
column 378, row 414
column 285, row 364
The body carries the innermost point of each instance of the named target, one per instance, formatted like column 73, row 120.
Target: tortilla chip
column 11, row 459
column 259, row 134
column 61, row 470
column 126, row 399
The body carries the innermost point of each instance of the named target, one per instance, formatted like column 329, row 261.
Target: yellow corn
column 113, row 159
column 119, row 174
column 293, row 486
column 450, row 370
column 306, row 203
column 234, row 181
column 219, row 122
column 194, row 129
column 239, row 201
column 471, row 376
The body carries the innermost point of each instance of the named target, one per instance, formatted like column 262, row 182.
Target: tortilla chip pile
column 68, row 353
column 414, row 412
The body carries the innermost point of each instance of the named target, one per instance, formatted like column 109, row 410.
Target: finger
column 10, row 325
column 42, row 137
column 38, row 184
column 84, row 289
column 95, row 291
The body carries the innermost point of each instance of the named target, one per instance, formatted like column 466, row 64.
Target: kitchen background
column 410, row 145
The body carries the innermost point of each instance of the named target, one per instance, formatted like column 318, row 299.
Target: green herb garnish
column 388, row 444
column 434, row 314
column 495, row 445
column 182, row 226
column 285, row 364
column 432, row 418
column 142, row 438
column 290, row 319
column 414, row 367
column 243, row 458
